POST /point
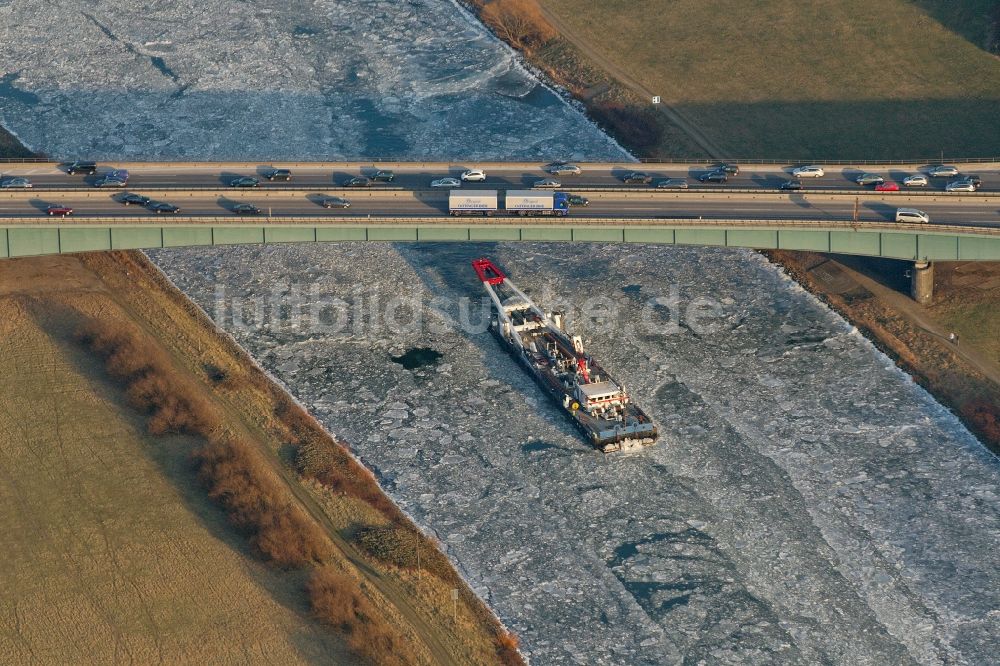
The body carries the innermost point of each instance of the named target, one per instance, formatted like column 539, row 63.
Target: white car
column 446, row 182
column 912, row 215
column 960, row 186
column 808, row 172
column 474, row 175
column 916, row 180
column 547, row 183
column 565, row 170
column 16, row 182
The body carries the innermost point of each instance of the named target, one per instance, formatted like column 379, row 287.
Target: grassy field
column 117, row 550
column 112, row 552
column 848, row 79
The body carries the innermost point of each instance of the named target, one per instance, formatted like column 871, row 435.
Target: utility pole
column 857, row 203
column 454, row 601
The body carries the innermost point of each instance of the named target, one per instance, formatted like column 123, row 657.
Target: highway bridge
column 831, row 214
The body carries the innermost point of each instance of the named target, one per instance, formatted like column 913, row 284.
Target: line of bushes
column 236, row 478
column 319, row 457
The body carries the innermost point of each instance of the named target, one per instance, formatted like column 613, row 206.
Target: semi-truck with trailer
column 532, row 202
column 516, row 202
column 472, row 202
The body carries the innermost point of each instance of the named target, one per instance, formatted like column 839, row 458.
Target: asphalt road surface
column 418, row 177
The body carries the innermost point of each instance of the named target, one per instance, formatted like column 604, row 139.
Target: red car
column 61, row 211
column 887, row 186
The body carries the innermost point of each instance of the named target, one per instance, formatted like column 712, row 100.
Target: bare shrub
column 151, row 383
column 507, row 645
column 255, row 502
column 520, row 23
column 337, row 600
column 984, row 417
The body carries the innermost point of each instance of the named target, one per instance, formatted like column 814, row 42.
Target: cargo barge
column 600, row 407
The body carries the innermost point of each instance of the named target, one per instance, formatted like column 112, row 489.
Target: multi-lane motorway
column 203, row 190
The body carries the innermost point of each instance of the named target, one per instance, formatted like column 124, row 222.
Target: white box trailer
column 469, row 202
column 533, row 202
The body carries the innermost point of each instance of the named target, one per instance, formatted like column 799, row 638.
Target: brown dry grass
column 257, row 503
column 112, row 551
column 336, row 600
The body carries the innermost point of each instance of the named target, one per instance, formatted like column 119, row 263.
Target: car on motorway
column 357, row 181
column 887, row 186
column 577, row 200
column 869, row 179
column 278, row 174
column 726, row 168
column 81, row 166
column 446, row 182
column 244, row 181
column 564, row 170
column 637, row 178
column 960, row 186
column 61, row 211
column 912, row 215
column 383, row 176
column 916, row 180
column 111, row 180
column 474, row 176
column 942, row 171
column 972, row 178
column 16, row 183
column 672, row 184
column 713, row 177
column 810, row 171
column 791, row 185
column 547, row 184
column 335, row 202
column 130, row 198
column 246, row 209
column 161, row 207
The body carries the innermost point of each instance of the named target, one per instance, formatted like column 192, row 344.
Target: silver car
column 547, row 183
column 960, row 186
column 808, row 172
column 20, row 183
column 916, row 180
column 565, row 170
column 672, row 184
column 942, row 171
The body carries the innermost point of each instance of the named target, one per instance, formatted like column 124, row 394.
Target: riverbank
column 210, row 432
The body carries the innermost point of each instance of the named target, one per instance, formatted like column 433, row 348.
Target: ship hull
column 606, row 436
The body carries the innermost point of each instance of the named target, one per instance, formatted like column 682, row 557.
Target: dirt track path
column 594, row 55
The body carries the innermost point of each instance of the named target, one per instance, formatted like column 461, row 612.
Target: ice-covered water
column 272, row 79
column 808, row 503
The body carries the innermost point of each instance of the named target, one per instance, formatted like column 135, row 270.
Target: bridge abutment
column 922, row 282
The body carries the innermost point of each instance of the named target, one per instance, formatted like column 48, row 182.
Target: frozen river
column 807, row 503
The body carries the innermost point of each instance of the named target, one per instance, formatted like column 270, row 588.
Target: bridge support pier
column 922, row 282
